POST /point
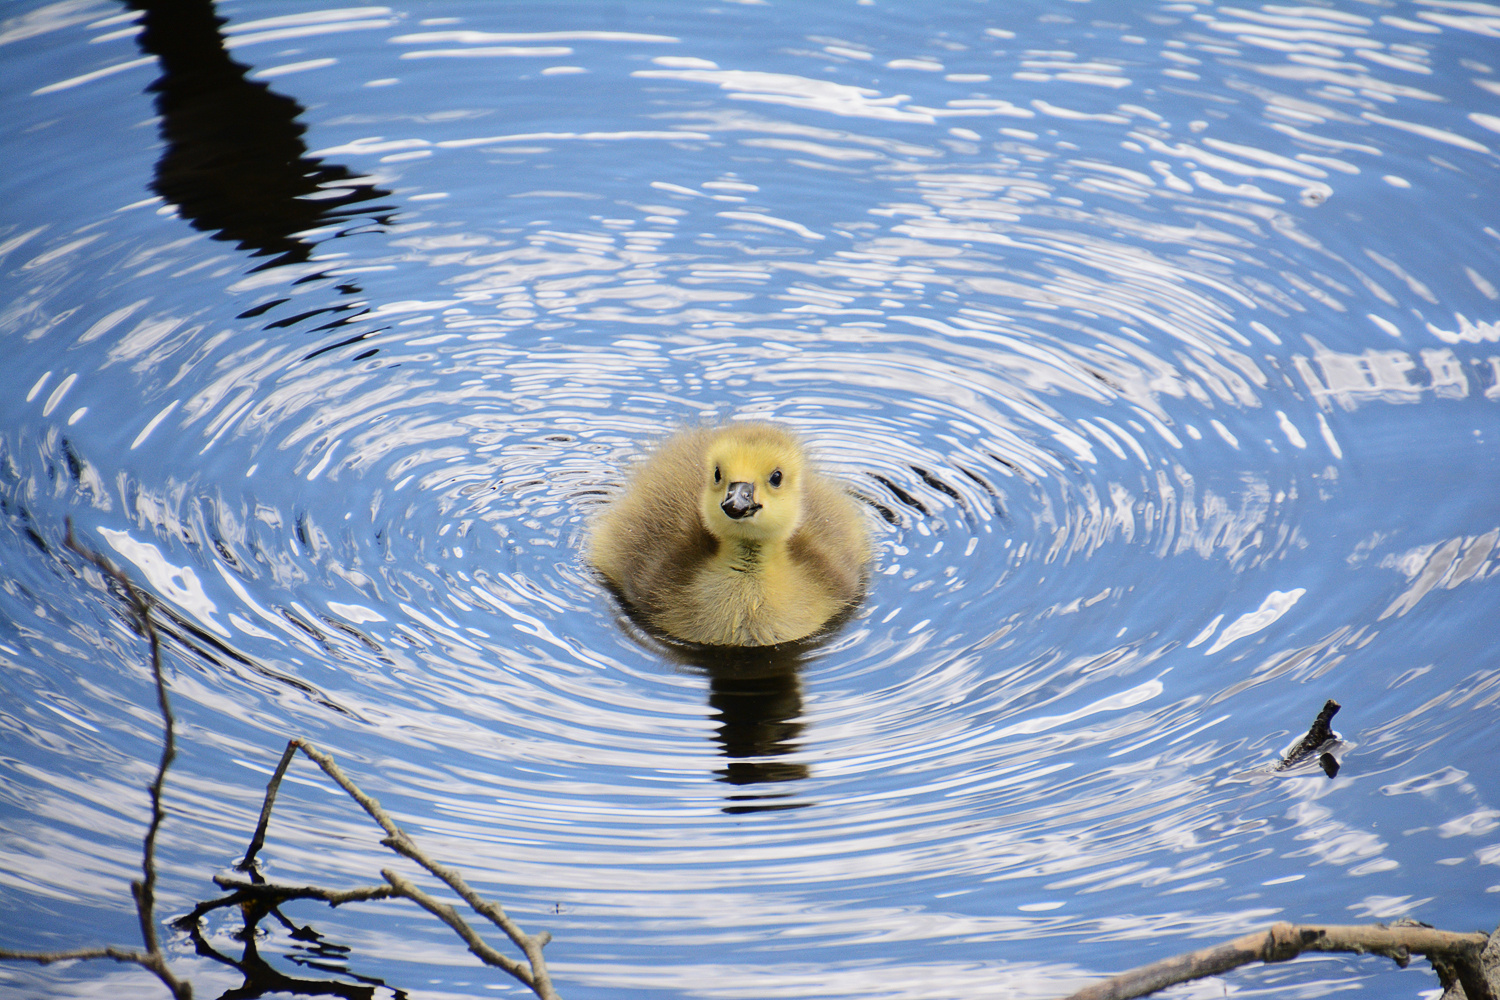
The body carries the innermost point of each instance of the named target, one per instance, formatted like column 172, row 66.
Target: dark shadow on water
column 234, row 161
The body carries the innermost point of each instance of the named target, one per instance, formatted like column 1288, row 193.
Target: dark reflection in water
column 235, row 163
column 311, row 950
column 756, row 695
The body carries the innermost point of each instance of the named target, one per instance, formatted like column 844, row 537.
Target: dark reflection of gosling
column 730, row 537
column 756, row 695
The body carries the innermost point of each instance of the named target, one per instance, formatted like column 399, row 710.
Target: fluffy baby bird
column 728, row 536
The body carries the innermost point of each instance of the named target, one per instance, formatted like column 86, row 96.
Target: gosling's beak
column 739, row 501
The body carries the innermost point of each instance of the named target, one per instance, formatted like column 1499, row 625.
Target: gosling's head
column 753, row 476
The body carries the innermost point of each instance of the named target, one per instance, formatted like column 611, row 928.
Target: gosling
column 728, row 536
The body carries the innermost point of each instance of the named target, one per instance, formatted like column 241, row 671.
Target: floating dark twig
column 1319, row 735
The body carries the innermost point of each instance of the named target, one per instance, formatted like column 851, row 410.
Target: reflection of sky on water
column 1160, row 339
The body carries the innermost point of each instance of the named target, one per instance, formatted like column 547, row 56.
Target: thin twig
column 396, row 839
column 448, row 915
column 74, row 954
column 259, row 840
column 140, row 603
column 143, row 889
column 270, row 896
column 1281, row 942
column 278, row 893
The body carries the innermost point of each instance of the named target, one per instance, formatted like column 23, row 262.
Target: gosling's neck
column 751, row 556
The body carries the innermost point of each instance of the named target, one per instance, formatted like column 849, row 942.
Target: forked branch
column 532, row 972
column 255, row 895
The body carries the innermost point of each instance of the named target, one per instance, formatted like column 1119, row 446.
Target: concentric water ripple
column 1166, row 426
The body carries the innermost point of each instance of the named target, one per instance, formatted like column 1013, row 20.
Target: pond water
column 1162, row 341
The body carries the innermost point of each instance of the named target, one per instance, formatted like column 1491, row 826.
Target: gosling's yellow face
column 753, row 484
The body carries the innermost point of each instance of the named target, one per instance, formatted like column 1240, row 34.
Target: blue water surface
column 1162, row 341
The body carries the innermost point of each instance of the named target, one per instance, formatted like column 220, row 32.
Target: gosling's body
column 768, row 553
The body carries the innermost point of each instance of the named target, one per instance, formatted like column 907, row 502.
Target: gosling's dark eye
column 718, row 476
column 775, row 479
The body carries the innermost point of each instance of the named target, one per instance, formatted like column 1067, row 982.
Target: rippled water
column 1161, row 340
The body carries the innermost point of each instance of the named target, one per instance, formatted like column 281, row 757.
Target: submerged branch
column 1282, row 942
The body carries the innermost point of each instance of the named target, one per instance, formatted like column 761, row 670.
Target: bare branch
column 280, row 893
column 397, row 840
column 331, row 768
column 144, row 890
column 274, row 785
column 449, row 916
column 74, row 954
column 493, row 911
column 1281, row 942
column 256, row 894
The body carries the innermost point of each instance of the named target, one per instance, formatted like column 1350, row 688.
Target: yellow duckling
column 728, row 536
